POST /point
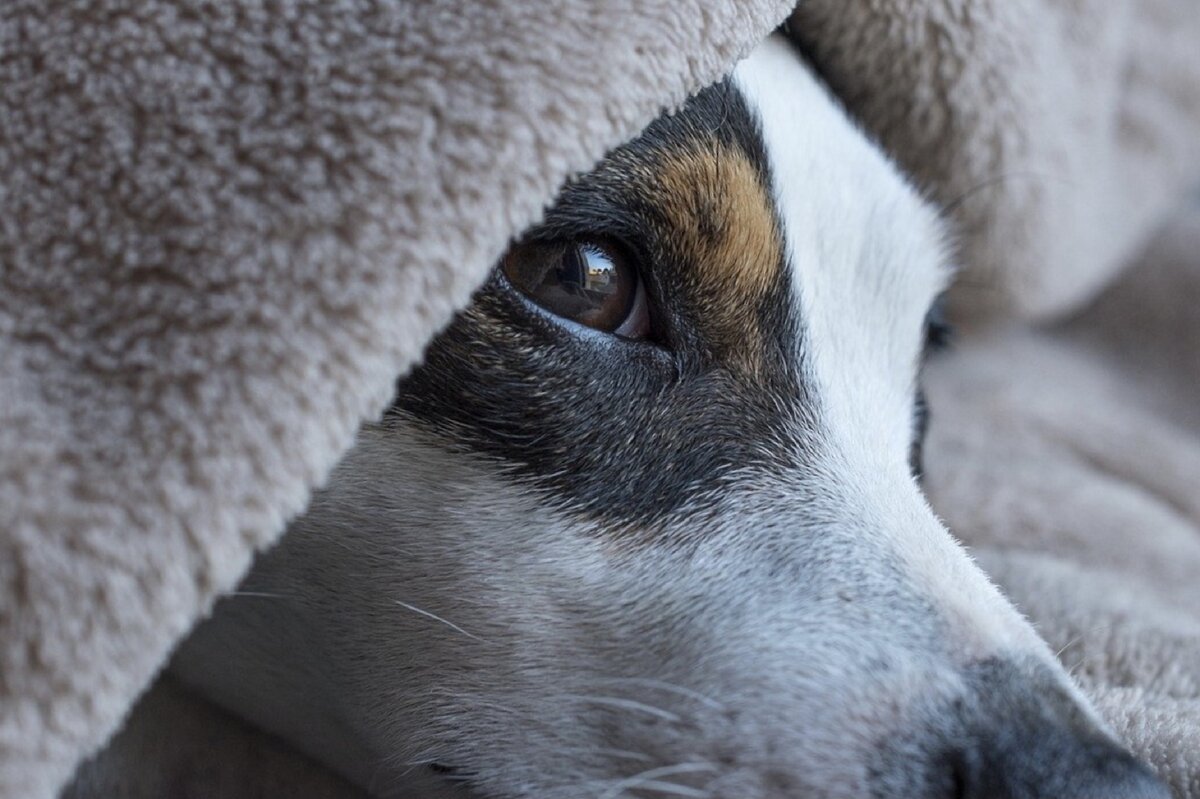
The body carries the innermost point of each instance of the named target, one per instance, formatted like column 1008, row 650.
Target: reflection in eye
column 590, row 282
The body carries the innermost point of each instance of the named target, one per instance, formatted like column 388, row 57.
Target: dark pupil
column 587, row 283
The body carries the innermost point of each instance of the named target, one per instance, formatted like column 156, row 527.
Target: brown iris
column 591, row 282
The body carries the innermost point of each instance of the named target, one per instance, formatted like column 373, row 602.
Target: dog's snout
column 1051, row 763
column 1027, row 738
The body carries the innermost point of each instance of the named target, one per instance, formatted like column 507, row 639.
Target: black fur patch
column 629, row 431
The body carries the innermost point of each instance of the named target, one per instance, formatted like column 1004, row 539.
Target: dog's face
column 645, row 522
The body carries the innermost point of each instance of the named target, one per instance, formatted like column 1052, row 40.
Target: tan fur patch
column 721, row 216
column 722, row 225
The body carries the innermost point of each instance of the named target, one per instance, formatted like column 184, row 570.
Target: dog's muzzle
column 1025, row 737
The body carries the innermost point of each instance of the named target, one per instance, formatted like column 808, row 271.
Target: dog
column 647, row 520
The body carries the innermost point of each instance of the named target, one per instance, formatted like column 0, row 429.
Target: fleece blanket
column 226, row 228
column 1068, row 458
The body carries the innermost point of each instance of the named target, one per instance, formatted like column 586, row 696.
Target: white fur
column 868, row 257
column 426, row 608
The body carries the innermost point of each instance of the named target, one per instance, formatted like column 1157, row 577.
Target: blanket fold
column 1058, row 134
column 226, row 228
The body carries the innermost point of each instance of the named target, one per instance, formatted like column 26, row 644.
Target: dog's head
column 645, row 522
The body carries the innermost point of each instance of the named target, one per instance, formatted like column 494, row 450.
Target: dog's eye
column 939, row 333
column 591, row 282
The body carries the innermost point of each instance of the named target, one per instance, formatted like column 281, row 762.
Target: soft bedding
column 225, row 229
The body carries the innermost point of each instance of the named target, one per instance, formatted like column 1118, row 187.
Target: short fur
column 694, row 566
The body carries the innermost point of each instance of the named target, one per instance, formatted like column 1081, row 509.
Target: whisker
column 626, row 704
column 621, row 754
column 659, row 786
column 1074, row 668
column 651, row 682
column 651, row 779
column 1068, row 645
column 438, row 618
column 1003, row 177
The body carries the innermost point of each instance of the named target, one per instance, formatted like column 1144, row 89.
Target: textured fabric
column 1069, row 460
column 225, row 228
column 1057, row 133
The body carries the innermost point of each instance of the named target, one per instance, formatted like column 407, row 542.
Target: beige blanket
column 225, row 228
column 1069, row 459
